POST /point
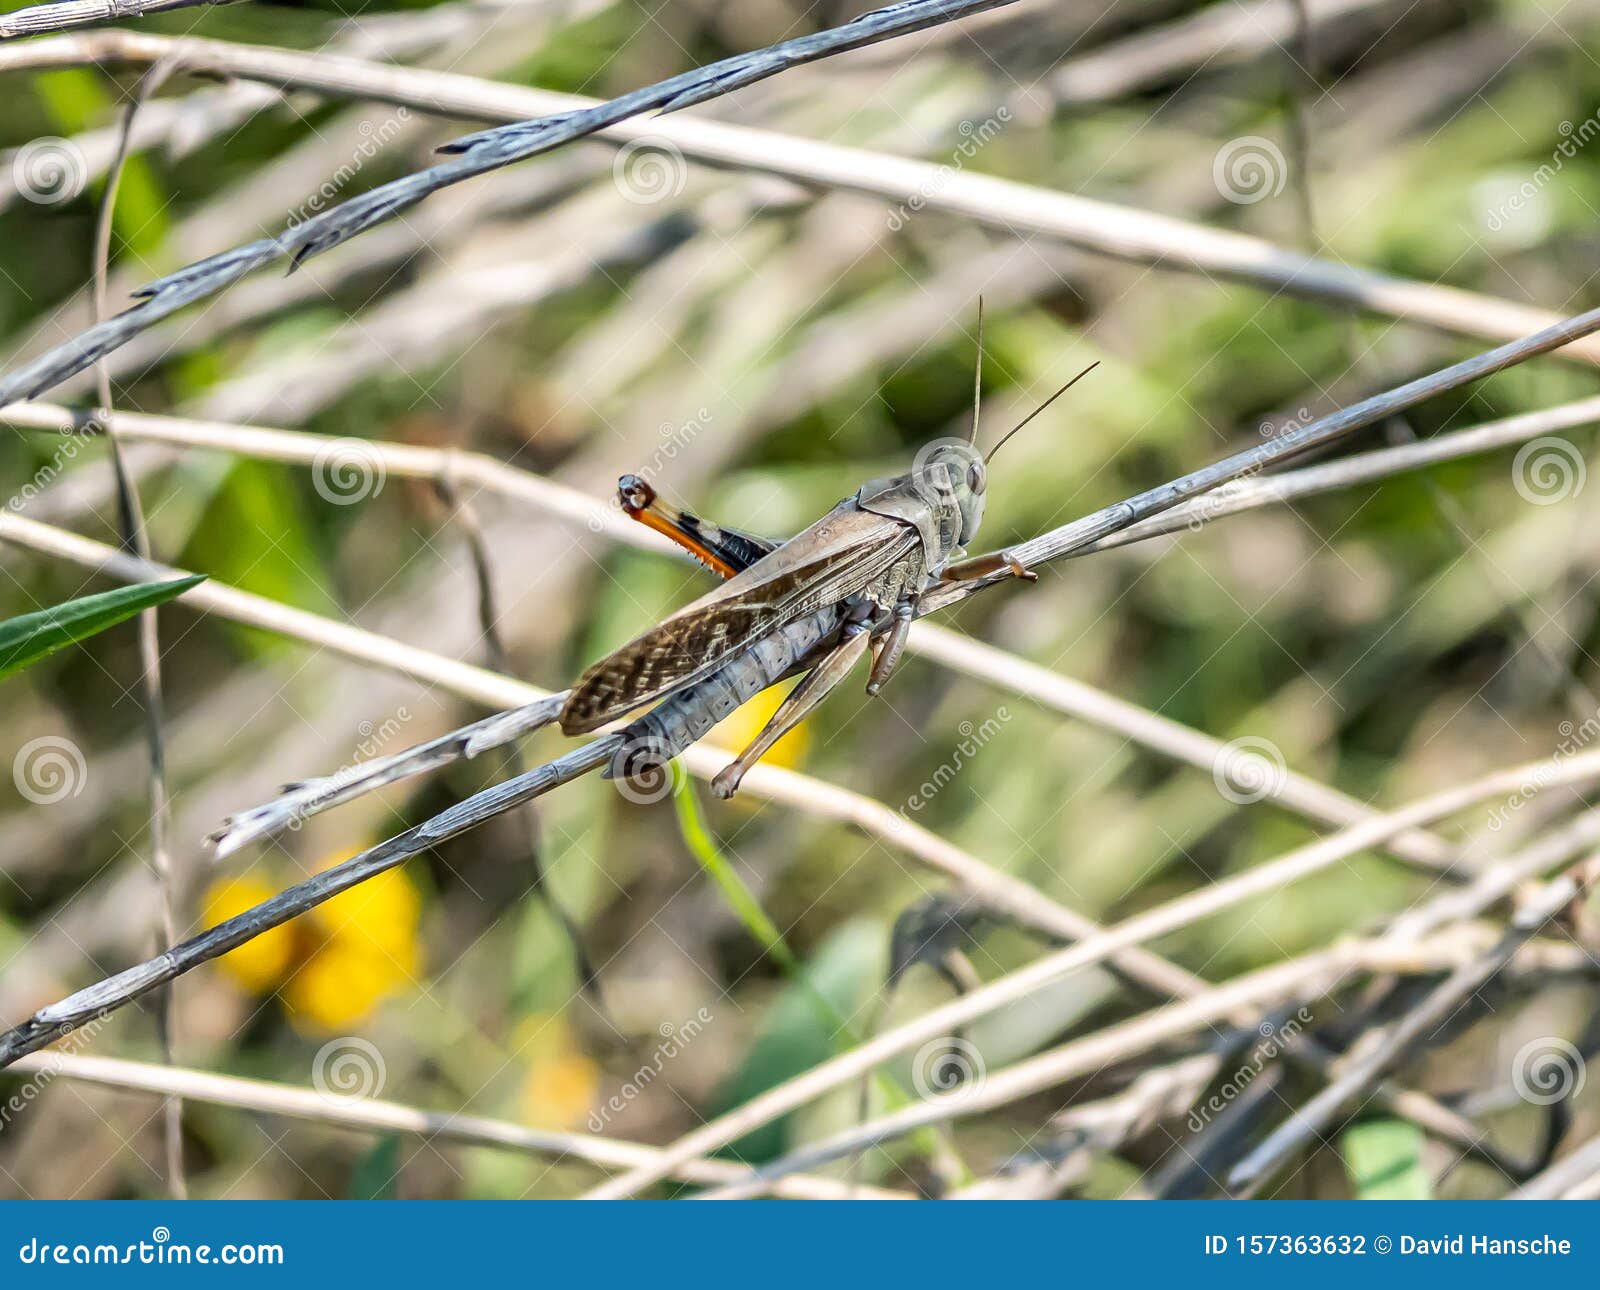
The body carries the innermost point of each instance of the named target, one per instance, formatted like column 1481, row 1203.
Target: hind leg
column 829, row 671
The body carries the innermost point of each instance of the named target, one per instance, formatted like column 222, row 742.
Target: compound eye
column 976, row 480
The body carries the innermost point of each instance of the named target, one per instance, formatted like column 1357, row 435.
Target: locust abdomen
column 681, row 718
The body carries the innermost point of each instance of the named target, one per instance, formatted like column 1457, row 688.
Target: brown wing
column 836, row 557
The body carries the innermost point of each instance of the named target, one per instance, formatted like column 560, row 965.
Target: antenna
column 977, row 378
column 990, row 455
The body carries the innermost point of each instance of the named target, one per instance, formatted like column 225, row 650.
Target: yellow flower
column 341, row 961
column 380, row 914
column 742, row 725
column 559, row 1092
column 560, row 1086
column 369, row 951
column 340, row 986
column 258, row 964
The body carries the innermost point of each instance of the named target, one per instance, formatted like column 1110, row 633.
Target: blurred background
column 758, row 348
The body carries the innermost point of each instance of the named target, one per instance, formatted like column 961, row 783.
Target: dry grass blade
column 1099, row 226
column 1159, row 921
column 375, row 1115
column 63, row 15
column 969, row 657
column 1005, row 894
column 1072, row 537
column 476, row 155
column 1403, row 948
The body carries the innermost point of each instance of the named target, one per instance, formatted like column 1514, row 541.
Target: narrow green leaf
column 31, row 637
column 377, row 1174
column 1384, row 1160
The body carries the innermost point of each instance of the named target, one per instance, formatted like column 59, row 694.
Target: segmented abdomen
column 681, row 718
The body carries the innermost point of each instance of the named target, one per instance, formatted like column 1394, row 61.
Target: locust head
column 952, row 476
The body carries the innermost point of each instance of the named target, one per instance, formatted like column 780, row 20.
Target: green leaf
column 377, row 1173
column 31, row 637
column 1384, row 1159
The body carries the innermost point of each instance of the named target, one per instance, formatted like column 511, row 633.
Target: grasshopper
column 815, row 604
